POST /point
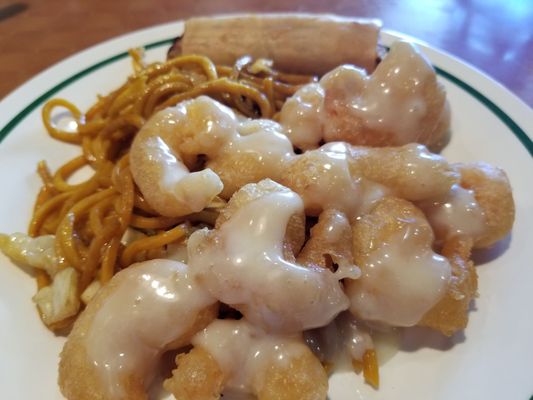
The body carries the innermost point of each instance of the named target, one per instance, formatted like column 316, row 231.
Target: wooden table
column 496, row 36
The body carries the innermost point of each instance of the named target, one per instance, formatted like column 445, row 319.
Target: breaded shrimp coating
column 351, row 178
column 493, row 192
column 257, row 150
column 295, row 232
column 402, row 278
column 117, row 341
column 236, row 355
column 400, row 102
column 197, row 376
column 330, row 245
column 243, row 262
column 410, row 171
column 450, row 314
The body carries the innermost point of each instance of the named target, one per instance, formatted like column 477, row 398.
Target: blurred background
column 496, row 36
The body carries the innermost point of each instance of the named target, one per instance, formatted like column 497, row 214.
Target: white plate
column 492, row 360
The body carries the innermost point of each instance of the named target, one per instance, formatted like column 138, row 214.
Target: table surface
column 496, row 36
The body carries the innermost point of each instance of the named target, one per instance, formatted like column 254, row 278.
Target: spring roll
column 306, row 44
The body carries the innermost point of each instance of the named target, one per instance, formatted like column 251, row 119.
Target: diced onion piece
column 36, row 252
column 131, row 235
column 90, row 291
column 59, row 301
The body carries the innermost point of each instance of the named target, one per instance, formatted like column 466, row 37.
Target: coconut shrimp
column 242, row 263
column 117, row 341
column 475, row 212
column 241, row 151
column 257, row 150
column 399, row 103
column 351, row 178
column 402, row 277
column 168, row 146
column 450, row 314
column 238, row 356
column 329, row 244
column 165, row 148
column 492, row 191
column 479, row 208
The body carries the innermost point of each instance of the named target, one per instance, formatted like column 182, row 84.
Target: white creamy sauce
column 419, row 164
column 338, row 189
column 270, row 148
column 172, row 169
column 390, row 100
column 335, row 228
column 152, row 306
column 331, row 185
column 402, row 279
column 177, row 251
column 342, row 337
column 387, row 343
column 302, row 115
column 249, row 126
column 356, row 339
column 243, row 266
column 422, row 174
column 244, row 352
column 333, row 232
column 371, row 193
column 201, row 126
column 458, row 214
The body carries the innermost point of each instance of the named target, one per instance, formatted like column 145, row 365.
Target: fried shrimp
column 351, row 178
column 237, row 355
column 256, row 151
column 479, row 208
column 330, row 244
column 242, row 264
column 239, row 151
column 400, row 102
column 170, row 143
column 402, row 277
column 450, row 314
column 306, row 212
column 410, row 172
column 492, row 190
column 117, row 341
column 163, row 151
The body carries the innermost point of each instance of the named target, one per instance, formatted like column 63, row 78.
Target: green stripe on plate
column 513, row 126
column 45, row 96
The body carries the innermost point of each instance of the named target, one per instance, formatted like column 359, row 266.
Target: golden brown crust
column 197, row 376
column 387, row 217
column 295, row 233
column 320, row 250
column 410, row 171
column 237, row 169
column 450, row 314
column 493, row 192
column 342, row 124
column 303, row 378
column 79, row 379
